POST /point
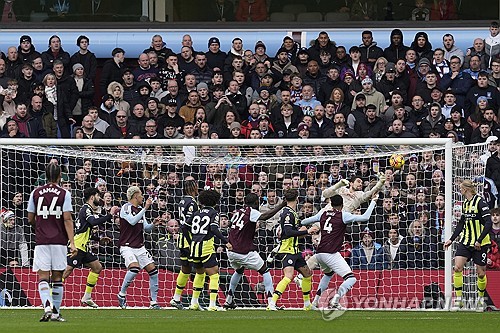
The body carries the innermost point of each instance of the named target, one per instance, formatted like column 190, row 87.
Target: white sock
column 57, row 295
column 45, row 296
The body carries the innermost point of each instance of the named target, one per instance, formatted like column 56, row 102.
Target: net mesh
column 410, row 196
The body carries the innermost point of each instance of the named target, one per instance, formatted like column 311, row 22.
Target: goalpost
column 237, row 167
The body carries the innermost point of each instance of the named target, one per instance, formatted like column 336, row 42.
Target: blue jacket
column 377, row 262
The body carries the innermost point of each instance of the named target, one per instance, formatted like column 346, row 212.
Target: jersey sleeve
column 67, row 206
column 254, row 215
column 351, row 218
column 31, row 204
column 126, row 214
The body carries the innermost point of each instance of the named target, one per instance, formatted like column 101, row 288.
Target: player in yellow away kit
column 289, row 253
column 476, row 225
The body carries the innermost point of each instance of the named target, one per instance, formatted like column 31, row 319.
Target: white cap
column 491, row 138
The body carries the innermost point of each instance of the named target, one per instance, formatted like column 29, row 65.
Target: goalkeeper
column 353, row 196
column 86, row 221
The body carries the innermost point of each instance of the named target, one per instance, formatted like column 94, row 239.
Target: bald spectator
column 89, row 130
column 29, row 126
column 45, row 113
column 121, row 128
column 144, row 71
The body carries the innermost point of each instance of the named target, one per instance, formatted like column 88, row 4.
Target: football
column 397, row 161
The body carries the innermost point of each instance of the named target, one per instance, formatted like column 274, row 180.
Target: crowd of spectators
column 317, row 92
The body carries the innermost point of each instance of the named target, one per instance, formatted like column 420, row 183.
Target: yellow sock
column 214, row 288
column 91, row 282
column 182, row 280
column 458, row 282
column 481, row 285
column 280, row 288
column 198, row 283
column 306, row 289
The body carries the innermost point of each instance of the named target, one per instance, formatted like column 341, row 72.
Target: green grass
column 257, row 321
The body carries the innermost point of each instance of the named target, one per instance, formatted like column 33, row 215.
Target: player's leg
column 288, row 272
column 306, row 285
column 181, row 282
column 312, row 263
column 337, row 264
column 235, row 260
column 212, row 270
column 323, row 285
column 458, row 279
column 235, row 279
column 95, row 269
column 57, row 294
column 45, row 295
column 67, row 272
column 198, row 284
column 133, row 269
column 59, row 262
column 42, row 266
column 480, row 259
column 153, row 285
column 268, row 282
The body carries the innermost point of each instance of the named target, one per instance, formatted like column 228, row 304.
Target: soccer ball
column 397, row 161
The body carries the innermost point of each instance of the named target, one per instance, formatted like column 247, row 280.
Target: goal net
column 395, row 256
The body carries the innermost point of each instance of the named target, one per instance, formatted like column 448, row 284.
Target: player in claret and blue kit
column 333, row 224
column 243, row 254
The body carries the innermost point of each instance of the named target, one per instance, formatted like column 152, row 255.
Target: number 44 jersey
column 48, row 202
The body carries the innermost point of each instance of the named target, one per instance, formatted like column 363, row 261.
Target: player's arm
column 380, row 183
column 332, row 190
column 68, row 223
column 31, row 210
column 313, row 219
column 93, row 221
column 126, row 212
column 351, row 218
column 270, row 213
column 486, row 216
column 288, row 229
column 458, row 230
column 214, row 228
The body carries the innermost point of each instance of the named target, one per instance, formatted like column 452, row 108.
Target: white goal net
column 414, row 214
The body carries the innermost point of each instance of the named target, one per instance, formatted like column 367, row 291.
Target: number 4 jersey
column 48, row 203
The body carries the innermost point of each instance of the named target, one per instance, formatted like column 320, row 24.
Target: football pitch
column 124, row 321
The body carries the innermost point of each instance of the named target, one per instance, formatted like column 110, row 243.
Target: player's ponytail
column 191, row 187
column 52, row 172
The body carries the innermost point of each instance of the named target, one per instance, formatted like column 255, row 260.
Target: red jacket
column 257, row 11
column 494, row 256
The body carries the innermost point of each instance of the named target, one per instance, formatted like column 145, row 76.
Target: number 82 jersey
column 202, row 241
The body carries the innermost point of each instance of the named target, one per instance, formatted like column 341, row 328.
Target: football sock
column 91, row 282
column 129, row 277
column 280, row 288
column 481, row 285
column 235, row 279
column 182, row 280
column 45, row 296
column 349, row 281
column 57, row 295
column 458, row 281
column 198, row 282
column 214, row 288
column 153, row 284
column 268, row 284
column 323, row 285
column 306, row 290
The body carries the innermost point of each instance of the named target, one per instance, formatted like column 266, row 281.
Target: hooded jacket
column 392, row 53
